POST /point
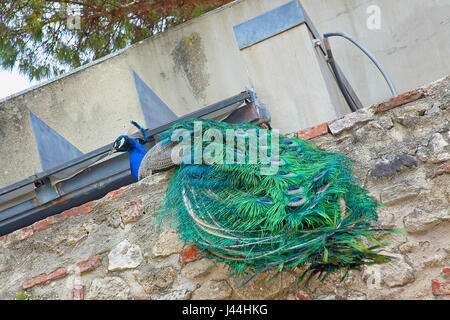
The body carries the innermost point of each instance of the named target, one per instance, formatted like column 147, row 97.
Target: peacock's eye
column 297, row 201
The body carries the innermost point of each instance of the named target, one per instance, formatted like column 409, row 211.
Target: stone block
column 108, row 288
column 212, row 290
column 349, row 121
column 421, row 221
column 398, row 192
column 197, row 269
column 167, row 244
column 124, row 256
column 387, row 168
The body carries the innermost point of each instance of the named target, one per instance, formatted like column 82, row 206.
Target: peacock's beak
column 117, row 145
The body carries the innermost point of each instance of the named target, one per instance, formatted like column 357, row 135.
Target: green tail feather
column 255, row 222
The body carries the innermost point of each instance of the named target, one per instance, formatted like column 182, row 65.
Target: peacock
column 258, row 200
column 135, row 149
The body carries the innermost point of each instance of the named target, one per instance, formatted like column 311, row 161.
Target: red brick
column 58, row 273
column 446, row 273
column 7, row 239
column 444, row 168
column 440, row 288
column 77, row 293
column 78, row 211
column 57, row 218
column 88, row 265
column 43, row 277
column 313, row 132
column 301, row 295
column 4, row 241
column 34, row 281
column 190, row 254
column 40, row 225
column 114, row 194
column 397, row 101
column 24, row 233
column 53, row 219
column 132, row 211
column 61, row 217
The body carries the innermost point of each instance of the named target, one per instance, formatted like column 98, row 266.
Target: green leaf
column 38, row 31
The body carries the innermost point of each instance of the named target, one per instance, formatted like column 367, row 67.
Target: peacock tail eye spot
column 290, row 143
column 294, row 190
column 265, row 201
column 286, row 174
column 296, row 201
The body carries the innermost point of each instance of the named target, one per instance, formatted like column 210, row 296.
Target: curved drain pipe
column 363, row 49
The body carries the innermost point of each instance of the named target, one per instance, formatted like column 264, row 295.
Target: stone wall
column 110, row 249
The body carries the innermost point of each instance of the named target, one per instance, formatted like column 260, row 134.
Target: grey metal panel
column 6, row 191
column 269, row 24
column 29, row 212
column 96, row 173
column 11, row 212
column 52, row 147
column 155, row 111
column 38, row 197
column 16, row 193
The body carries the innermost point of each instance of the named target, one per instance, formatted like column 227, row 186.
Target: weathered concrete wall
column 199, row 63
column 412, row 42
column 298, row 88
column 109, row 248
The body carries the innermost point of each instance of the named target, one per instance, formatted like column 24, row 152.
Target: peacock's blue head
column 124, row 144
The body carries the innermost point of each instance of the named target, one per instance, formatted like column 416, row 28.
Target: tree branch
column 139, row 7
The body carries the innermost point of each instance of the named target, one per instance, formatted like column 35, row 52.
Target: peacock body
column 257, row 200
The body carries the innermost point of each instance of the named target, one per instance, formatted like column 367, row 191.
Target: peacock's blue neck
column 137, row 153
